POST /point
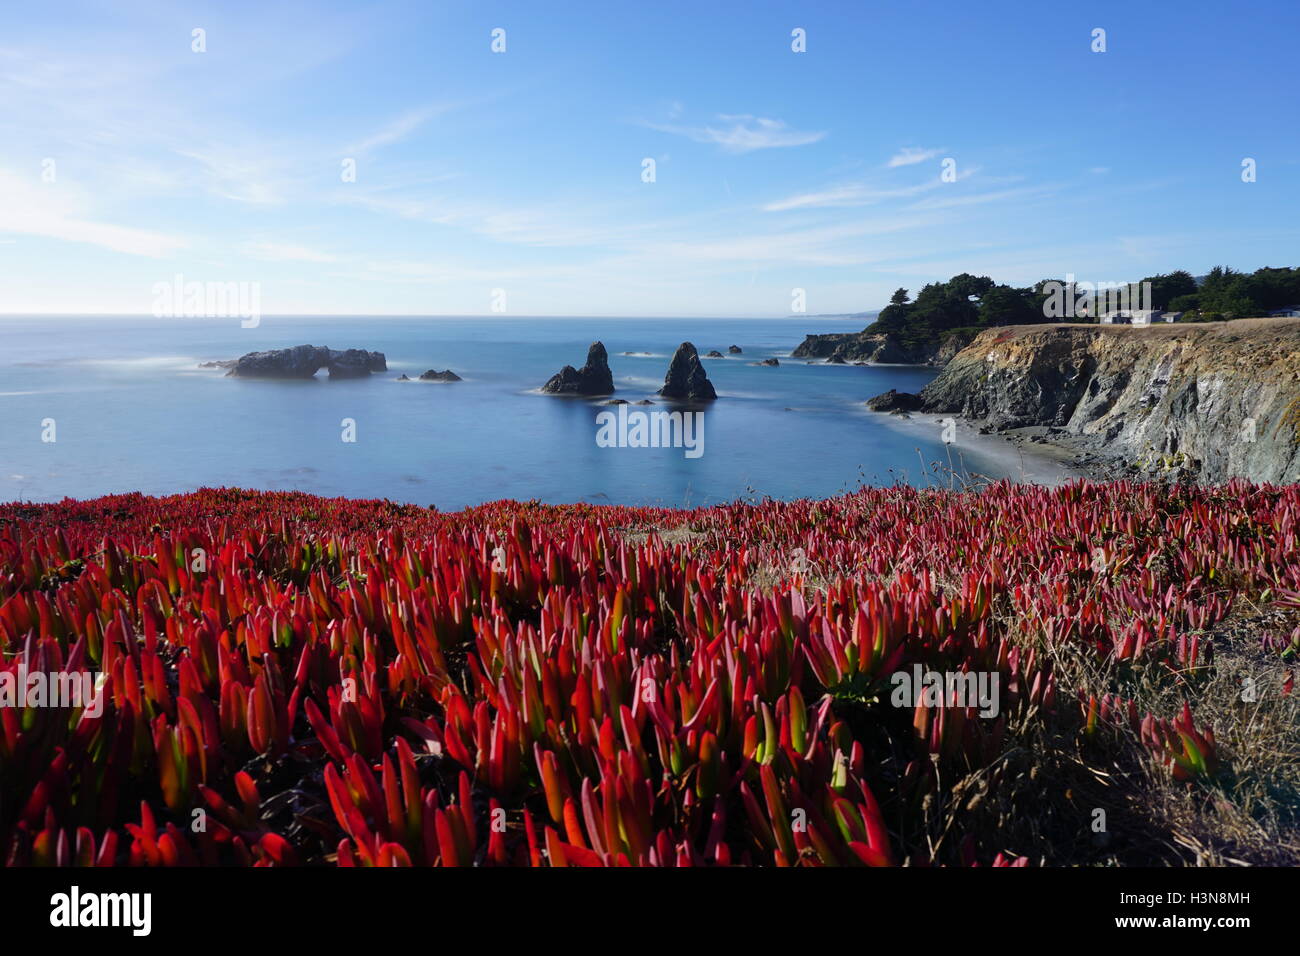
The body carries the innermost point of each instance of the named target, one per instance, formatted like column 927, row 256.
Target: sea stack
column 446, row 375
column 686, row 380
column 594, row 378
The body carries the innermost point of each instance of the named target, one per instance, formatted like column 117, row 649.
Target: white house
column 1138, row 316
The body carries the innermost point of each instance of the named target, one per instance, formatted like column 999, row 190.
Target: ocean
column 130, row 410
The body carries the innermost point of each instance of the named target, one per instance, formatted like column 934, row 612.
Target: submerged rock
column 446, row 375
column 594, row 378
column 771, row 362
column 686, row 379
column 304, row 361
column 402, row 378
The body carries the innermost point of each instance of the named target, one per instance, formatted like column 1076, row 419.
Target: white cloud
column 743, row 133
column 911, row 155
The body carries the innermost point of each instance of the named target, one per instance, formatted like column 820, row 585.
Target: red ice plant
column 518, row 684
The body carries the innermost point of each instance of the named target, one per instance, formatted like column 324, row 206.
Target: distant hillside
column 839, row 315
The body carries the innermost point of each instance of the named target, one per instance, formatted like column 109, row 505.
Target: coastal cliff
column 884, row 348
column 1206, row 401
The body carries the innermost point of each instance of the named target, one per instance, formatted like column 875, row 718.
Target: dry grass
column 1040, row 798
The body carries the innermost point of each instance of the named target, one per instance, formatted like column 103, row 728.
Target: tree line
column 969, row 303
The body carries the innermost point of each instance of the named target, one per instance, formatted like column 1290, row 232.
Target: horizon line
column 429, row 315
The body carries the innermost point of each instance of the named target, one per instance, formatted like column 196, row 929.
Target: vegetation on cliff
column 1228, row 294
column 946, row 316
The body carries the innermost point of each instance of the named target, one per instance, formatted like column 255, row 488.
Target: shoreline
column 1049, row 464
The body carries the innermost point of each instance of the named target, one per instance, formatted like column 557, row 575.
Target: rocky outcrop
column 734, row 349
column 594, row 378
column 355, row 363
column 714, row 353
column 769, row 362
column 301, row 361
column 304, row 361
column 686, row 380
column 1211, row 401
column 446, row 375
column 895, row 401
column 881, row 348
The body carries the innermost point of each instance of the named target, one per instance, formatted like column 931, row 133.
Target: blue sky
column 522, row 170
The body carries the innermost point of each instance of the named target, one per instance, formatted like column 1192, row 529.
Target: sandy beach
column 974, row 454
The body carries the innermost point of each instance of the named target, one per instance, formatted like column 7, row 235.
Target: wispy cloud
column 838, row 245
column 284, row 252
column 557, row 223
column 234, row 175
column 979, row 199
column 743, row 133
column 62, row 212
column 398, row 129
column 847, row 196
column 911, row 155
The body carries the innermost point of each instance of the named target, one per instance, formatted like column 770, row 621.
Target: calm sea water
column 133, row 412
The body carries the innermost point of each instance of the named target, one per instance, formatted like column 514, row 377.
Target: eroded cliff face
column 1213, row 401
